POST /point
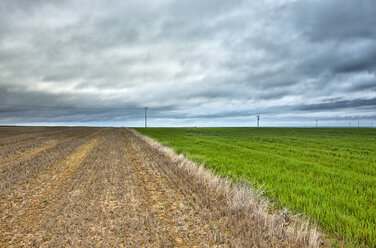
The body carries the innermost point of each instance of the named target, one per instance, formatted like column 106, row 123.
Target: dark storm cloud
column 187, row 60
column 364, row 60
column 341, row 104
column 340, row 20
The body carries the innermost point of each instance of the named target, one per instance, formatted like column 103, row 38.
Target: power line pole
column 358, row 123
column 316, row 123
column 146, row 117
column 258, row 120
column 349, row 124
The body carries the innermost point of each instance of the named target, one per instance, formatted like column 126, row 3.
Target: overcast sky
column 193, row 63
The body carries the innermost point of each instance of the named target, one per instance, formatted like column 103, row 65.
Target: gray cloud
column 209, row 62
column 341, row 104
column 339, row 20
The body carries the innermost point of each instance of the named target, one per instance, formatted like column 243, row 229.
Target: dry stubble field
column 111, row 187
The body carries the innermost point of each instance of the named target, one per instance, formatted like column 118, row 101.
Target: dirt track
column 91, row 187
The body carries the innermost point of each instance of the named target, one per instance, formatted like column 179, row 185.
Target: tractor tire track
column 24, row 138
column 22, row 170
column 32, row 148
column 22, row 215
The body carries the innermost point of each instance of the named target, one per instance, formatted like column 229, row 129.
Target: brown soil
column 16, row 152
column 110, row 188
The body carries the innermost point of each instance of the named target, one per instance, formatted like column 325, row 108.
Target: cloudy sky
column 193, row 63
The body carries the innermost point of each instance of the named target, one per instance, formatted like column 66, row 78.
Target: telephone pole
column 316, row 123
column 146, row 117
column 258, row 120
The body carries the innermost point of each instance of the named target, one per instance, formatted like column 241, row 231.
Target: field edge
column 241, row 196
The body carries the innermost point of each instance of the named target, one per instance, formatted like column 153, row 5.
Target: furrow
column 21, row 171
column 34, row 151
column 27, row 204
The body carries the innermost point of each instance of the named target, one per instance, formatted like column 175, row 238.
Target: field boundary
column 242, row 198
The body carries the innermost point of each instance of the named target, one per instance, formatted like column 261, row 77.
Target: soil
column 106, row 187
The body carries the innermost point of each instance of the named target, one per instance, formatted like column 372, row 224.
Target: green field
column 329, row 174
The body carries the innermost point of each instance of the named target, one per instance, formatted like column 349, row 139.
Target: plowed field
column 108, row 187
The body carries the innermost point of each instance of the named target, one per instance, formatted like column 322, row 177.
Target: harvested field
column 112, row 187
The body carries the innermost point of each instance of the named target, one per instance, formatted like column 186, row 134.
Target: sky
column 192, row 63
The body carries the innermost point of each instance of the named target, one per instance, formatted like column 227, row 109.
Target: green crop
column 329, row 174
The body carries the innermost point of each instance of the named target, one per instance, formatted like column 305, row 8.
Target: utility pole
column 258, row 120
column 349, row 124
column 358, row 123
column 316, row 123
column 146, row 117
